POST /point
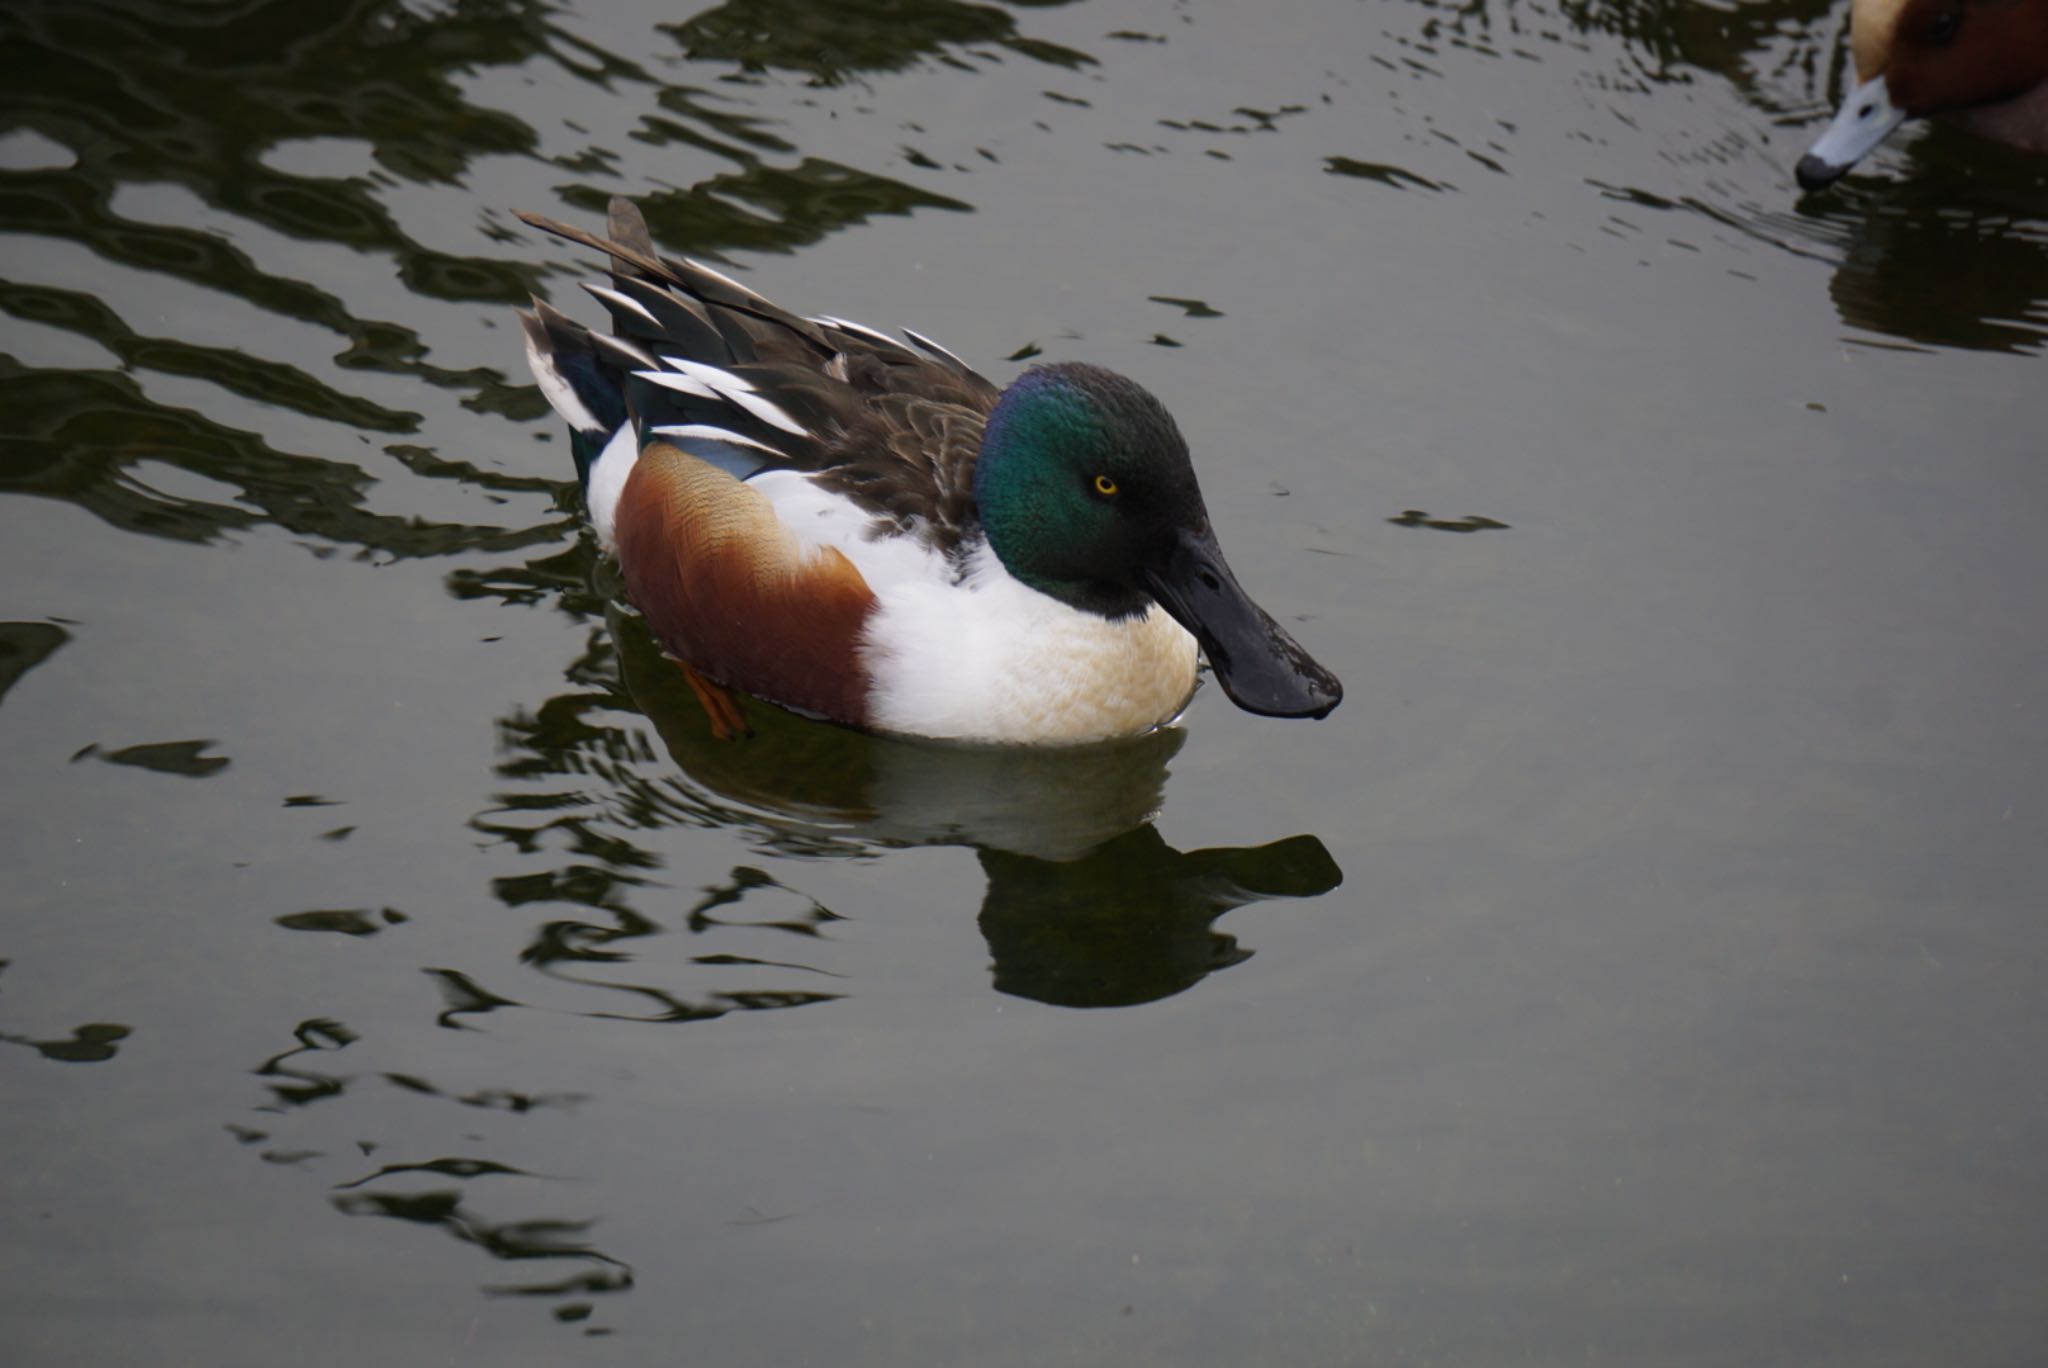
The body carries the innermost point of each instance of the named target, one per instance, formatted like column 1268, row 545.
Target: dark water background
column 1644, row 966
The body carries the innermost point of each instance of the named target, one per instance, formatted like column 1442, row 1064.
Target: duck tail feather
column 580, row 384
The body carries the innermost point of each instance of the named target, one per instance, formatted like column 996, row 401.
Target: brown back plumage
column 894, row 427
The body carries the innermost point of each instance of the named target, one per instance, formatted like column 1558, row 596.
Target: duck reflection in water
column 1086, row 904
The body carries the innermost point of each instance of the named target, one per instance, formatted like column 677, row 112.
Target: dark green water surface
column 1648, row 963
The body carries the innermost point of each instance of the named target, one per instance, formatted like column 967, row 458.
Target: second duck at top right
column 1981, row 65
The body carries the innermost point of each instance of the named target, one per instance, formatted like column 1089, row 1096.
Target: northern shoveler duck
column 812, row 512
column 1979, row 64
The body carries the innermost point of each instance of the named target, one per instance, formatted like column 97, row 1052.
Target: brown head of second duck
column 1981, row 65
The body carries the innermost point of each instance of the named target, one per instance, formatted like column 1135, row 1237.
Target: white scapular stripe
column 676, row 380
column 724, row 279
column 623, row 301
column 859, row 330
column 934, row 348
column 633, row 352
column 767, row 412
column 724, row 381
column 708, row 433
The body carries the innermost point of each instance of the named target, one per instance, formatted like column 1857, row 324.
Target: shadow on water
column 109, row 97
column 203, row 96
column 297, row 1078
column 93, row 1043
column 1085, row 904
column 25, row 645
column 146, row 143
column 764, row 208
column 1948, row 254
column 1133, row 919
column 202, row 99
column 828, row 44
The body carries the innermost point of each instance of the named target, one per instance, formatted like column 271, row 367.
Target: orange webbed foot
column 728, row 723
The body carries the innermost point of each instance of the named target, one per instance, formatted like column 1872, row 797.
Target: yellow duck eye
column 1104, row 486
